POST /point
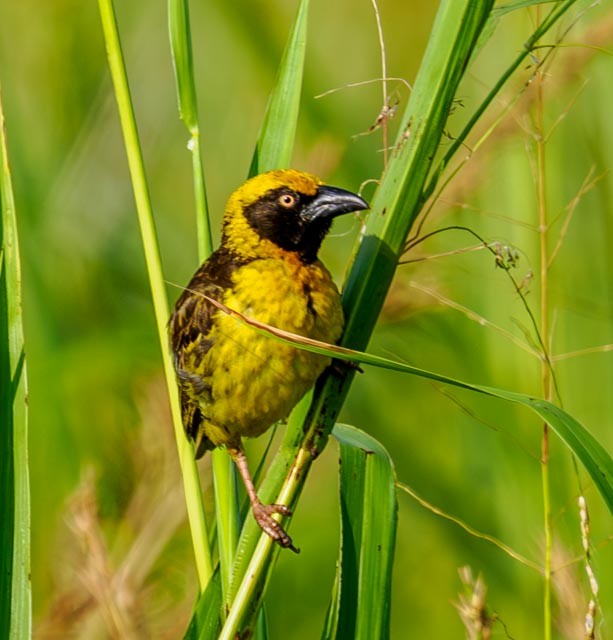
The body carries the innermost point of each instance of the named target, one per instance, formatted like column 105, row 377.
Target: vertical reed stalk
column 189, row 471
column 224, row 474
column 541, row 185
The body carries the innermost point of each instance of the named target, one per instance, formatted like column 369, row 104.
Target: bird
column 233, row 382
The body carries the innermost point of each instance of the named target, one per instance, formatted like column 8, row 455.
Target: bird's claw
column 263, row 516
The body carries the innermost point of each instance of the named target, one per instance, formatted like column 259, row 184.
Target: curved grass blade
column 276, row 140
column 360, row 606
column 15, row 592
column 594, row 457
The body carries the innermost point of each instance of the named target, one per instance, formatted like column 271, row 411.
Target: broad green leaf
column 15, row 593
column 206, row 618
column 360, row 606
column 276, row 140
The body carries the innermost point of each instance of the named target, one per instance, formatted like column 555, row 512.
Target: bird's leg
column 262, row 512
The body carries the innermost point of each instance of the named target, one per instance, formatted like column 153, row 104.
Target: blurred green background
column 107, row 509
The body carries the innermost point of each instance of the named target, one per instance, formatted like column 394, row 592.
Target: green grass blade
column 189, row 470
column 224, row 472
column 15, row 592
column 576, row 437
column 560, row 9
column 261, row 627
column 398, row 200
column 331, row 623
column 183, row 62
column 255, row 550
column 227, row 513
column 276, row 140
column 507, row 7
column 206, row 618
column 595, row 459
column 360, row 606
column 182, row 58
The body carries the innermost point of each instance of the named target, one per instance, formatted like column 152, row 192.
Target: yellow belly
column 255, row 380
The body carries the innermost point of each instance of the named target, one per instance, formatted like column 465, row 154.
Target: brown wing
column 189, row 328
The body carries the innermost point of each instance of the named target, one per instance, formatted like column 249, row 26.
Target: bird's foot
column 263, row 516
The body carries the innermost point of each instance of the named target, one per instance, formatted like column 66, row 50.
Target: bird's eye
column 287, row 200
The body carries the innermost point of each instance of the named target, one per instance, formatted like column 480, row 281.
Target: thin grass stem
column 226, row 513
column 182, row 57
column 541, row 185
column 554, row 15
column 189, row 470
column 385, row 109
column 224, row 472
column 258, row 565
column 203, row 225
column 475, row 317
column 471, row 530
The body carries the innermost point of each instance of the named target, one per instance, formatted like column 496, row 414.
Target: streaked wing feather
column 189, row 328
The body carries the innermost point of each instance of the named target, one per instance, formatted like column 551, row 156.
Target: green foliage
column 360, row 606
column 182, row 57
column 92, row 343
column 276, row 140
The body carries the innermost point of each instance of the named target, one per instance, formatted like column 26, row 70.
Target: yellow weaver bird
column 234, row 382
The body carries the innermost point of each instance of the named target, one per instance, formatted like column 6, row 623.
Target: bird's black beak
column 330, row 202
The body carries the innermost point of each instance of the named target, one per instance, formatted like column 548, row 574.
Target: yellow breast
column 254, row 379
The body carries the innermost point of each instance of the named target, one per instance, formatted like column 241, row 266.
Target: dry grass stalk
column 472, row 607
column 590, row 616
column 569, row 595
column 102, row 573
